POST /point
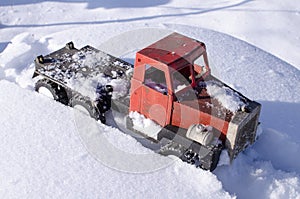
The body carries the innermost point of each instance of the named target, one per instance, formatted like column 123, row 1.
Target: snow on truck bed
column 226, row 96
column 87, row 69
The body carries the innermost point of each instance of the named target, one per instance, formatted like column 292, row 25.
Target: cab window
column 155, row 79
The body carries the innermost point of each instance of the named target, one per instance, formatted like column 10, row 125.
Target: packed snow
column 145, row 125
column 45, row 151
column 87, row 86
column 227, row 97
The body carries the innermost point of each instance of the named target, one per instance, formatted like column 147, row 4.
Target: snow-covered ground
column 42, row 151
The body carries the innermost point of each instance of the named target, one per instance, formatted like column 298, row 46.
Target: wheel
column 216, row 157
column 173, row 149
column 70, row 45
column 51, row 90
column 86, row 107
column 190, row 157
column 210, row 161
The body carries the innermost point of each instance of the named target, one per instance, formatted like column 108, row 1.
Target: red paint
column 173, row 53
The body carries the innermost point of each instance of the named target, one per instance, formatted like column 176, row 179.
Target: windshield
column 200, row 67
column 181, row 79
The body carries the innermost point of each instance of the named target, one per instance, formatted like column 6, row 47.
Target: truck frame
column 165, row 85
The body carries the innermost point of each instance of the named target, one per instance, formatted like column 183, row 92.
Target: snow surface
column 42, row 156
column 44, row 152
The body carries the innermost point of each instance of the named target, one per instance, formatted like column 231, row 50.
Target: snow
column 44, row 151
column 87, row 86
column 144, row 125
column 85, row 72
column 227, row 97
column 42, row 155
column 179, row 87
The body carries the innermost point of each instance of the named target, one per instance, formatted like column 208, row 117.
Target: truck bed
column 85, row 68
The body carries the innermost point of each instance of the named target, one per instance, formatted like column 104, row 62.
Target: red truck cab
column 154, row 67
column 169, row 88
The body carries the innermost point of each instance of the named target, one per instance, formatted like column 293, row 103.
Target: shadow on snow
column 91, row 4
column 130, row 3
column 272, row 160
column 280, row 140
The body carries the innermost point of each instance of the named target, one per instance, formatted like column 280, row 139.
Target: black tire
column 210, row 162
column 70, row 45
column 172, row 148
column 58, row 93
column 85, row 104
column 216, row 157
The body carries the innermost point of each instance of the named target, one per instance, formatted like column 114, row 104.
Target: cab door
column 155, row 96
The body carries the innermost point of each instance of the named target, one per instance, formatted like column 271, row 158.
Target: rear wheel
column 47, row 92
column 82, row 109
column 51, row 90
column 86, row 107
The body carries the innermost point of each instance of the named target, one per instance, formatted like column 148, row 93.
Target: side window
column 155, row 79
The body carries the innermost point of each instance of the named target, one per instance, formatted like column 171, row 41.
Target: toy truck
column 195, row 114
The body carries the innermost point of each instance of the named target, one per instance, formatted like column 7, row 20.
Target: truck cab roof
column 174, row 48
